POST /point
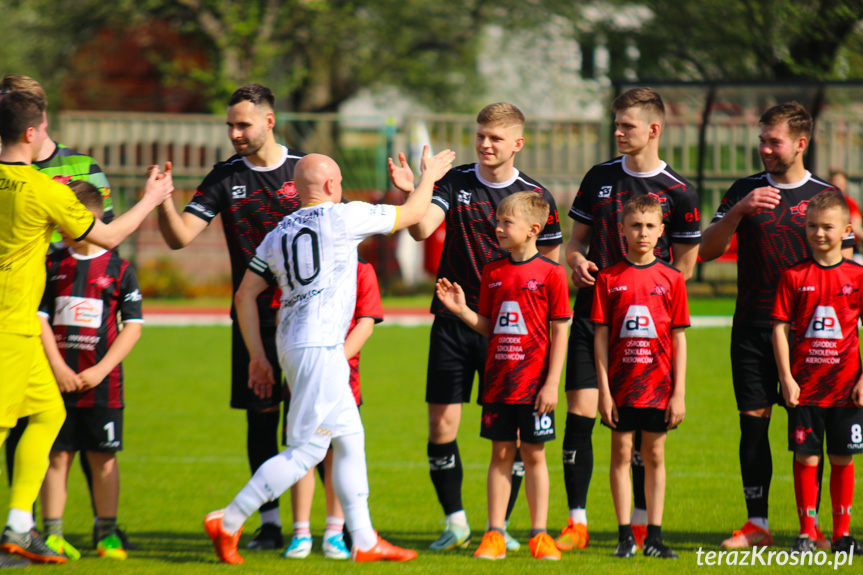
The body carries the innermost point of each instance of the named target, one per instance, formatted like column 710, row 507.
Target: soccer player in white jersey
column 312, row 256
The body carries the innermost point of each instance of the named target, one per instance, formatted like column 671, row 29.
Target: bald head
column 318, row 179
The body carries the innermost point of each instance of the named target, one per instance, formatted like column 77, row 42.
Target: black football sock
column 577, row 459
column 654, row 533
column 624, row 531
column 262, row 442
column 637, row 467
column 446, row 475
column 756, row 463
column 517, row 477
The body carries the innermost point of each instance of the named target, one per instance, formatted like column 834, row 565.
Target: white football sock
column 458, row 518
column 760, row 522
column 20, row 521
column 578, row 516
column 351, row 484
column 639, row 516
column 271, row 479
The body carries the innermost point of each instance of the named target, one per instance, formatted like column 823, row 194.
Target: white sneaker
column 335, row 548
column 299, row 547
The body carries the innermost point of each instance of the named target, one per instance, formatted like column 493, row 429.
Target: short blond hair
column 642, row 203
column 529, row 205
column 829, row 199
column 501, row 114
column 20, row 83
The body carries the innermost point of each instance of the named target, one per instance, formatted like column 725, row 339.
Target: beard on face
column 780, row 166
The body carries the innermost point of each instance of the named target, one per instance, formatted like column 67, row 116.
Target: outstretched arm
column 416, row 214
column 178, row 229
column 156, row 191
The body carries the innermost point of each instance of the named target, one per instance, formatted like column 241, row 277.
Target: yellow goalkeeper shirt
column 31, row 205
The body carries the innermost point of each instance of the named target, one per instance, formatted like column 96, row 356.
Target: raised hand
column 402, row 176
column 451, row 295
column 438, row 165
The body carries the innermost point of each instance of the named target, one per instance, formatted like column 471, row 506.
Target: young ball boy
column 640, row 311
column 367, row 312
column 524, row 310
column 820, row 372
column 87, row 287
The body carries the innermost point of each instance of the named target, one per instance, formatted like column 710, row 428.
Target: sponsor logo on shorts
column 800, row 434
column 238, row 192
column 488, row 419
column 855, row 446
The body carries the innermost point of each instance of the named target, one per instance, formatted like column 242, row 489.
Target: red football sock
column 841, row 495
column 806, row 492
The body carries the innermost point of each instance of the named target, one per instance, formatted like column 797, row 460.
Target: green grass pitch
column 185, row 456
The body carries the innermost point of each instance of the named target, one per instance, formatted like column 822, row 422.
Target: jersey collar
column 635, row 174
column 82, row 257
column 275, row 166
column 488, row 184
column 792, row 186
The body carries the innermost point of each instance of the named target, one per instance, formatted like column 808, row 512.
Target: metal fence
column 710, row 137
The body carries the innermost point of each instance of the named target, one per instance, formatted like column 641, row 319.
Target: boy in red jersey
column 820, row 372
column 640, row 311
column 87, row 287
column 524, row 310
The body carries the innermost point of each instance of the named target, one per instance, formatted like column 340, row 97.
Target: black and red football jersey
column 599, row 203
column 82, row 298
column 368, row 305
column 823, row 306
column 252, row 200
column 520, row 298
column 769, row 242
column 470, row 204
column 640, row 305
